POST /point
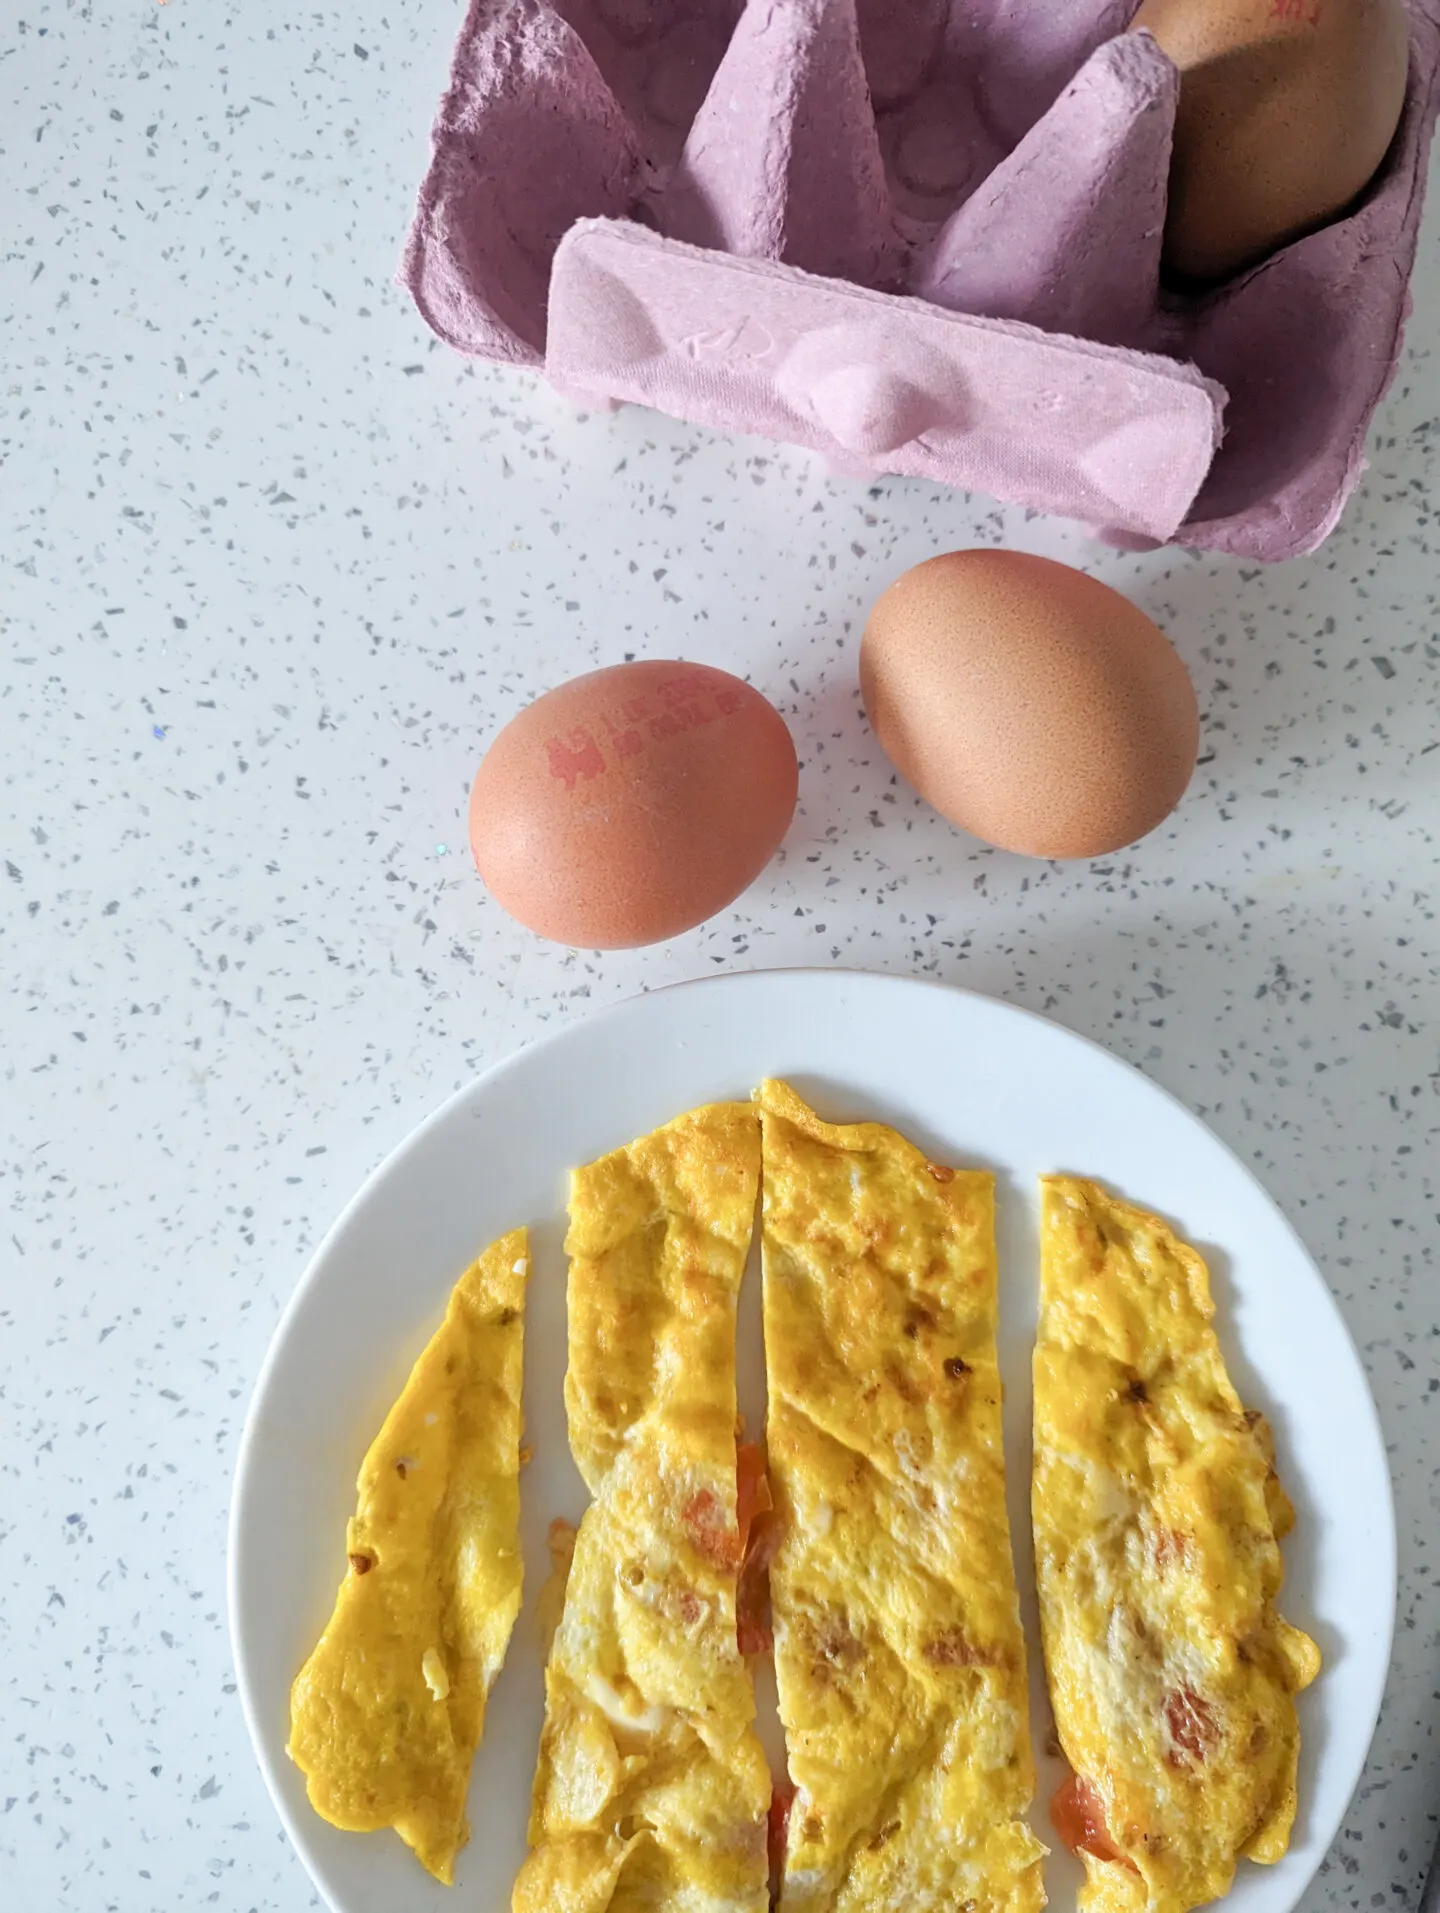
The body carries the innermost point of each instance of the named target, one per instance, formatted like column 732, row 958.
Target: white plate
column 972, row 1081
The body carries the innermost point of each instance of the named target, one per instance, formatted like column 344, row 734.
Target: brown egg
column 1287, row 108
column 631, row 804
column 1031, row 705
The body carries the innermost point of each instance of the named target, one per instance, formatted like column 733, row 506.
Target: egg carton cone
column 918, row 237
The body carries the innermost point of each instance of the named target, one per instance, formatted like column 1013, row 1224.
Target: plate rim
column 901, row 983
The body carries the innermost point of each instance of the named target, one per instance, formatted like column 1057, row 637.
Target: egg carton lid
column 917, row 236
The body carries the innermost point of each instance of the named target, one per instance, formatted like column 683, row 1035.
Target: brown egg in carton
column 919, row 237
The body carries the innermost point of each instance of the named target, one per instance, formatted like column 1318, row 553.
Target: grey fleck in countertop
column 276, row 566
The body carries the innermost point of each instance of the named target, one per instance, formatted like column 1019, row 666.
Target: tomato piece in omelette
column 898, row 1649
column 386, row 1714
column 1158, row 1516
column 652, row 1789
column 759, row 1537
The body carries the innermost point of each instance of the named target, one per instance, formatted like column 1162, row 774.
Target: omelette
column 651, row 1788
column 898, row 1649
column 1158, row 1517
column 386, row 1714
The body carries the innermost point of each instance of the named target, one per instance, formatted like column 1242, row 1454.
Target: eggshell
column 1030, row 704
column 632, row 803
column 1287, row 108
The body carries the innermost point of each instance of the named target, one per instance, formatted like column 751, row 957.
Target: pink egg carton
column 917, row 236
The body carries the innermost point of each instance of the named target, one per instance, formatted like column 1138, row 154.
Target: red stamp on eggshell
column 685, row 702
column 574, row 756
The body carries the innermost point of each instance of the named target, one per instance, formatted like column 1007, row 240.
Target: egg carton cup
column 918, row 237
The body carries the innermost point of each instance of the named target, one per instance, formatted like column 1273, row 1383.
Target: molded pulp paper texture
column 918, row 236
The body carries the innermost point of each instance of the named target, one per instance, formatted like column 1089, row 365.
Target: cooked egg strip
column 652, row 1788
column 898, row 1648
column 1157, row 1515
column 386, row 1714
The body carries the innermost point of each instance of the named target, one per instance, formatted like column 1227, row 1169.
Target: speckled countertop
column 275, row 565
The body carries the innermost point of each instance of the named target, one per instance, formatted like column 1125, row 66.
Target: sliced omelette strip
column 652, row 1789
column 1158, row 1517
column 898, row 1648
column 386, row 1714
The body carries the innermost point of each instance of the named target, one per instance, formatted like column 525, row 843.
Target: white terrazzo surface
column 276, row 565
